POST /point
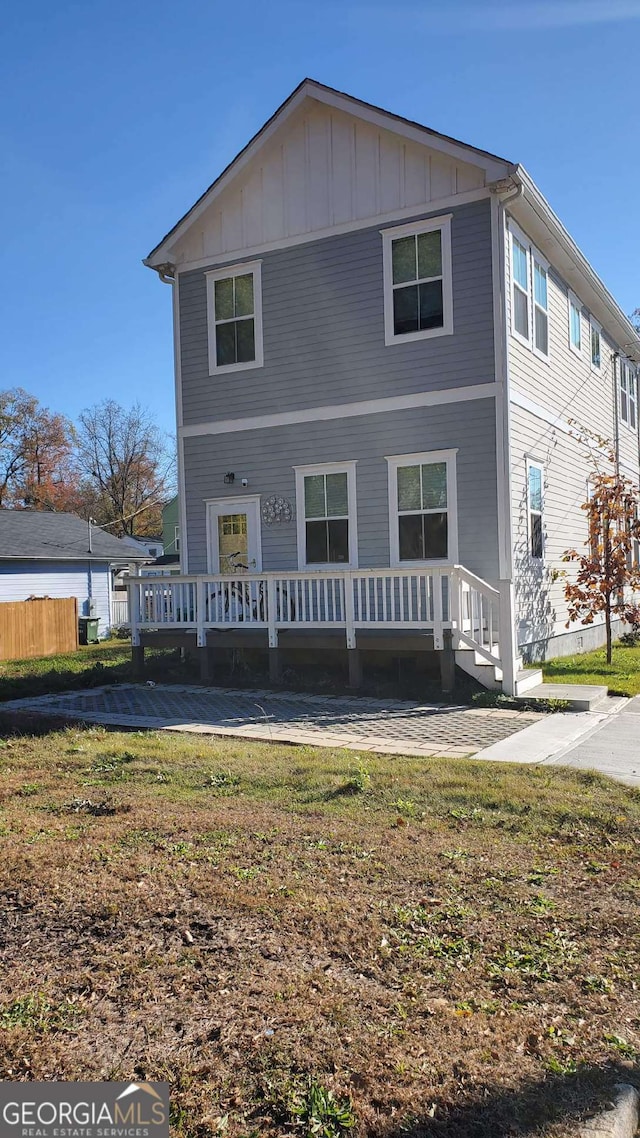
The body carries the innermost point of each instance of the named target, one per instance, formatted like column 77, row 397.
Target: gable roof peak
column 495, row 167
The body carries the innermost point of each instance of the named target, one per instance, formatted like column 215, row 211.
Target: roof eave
column 616, row 321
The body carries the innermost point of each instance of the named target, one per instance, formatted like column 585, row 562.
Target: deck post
column 205, row 663
column 133, row 602
column 506, row 638
column 137, row 660
column 355, row 667
column 447, row 663
column 274, row 665
column 201, row 635
column 436, row 586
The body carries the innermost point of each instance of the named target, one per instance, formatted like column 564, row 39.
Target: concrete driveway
column 387, row 726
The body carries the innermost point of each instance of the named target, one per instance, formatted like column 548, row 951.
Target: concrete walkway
column 612, row 746
column 606, row 740
column 386, row 726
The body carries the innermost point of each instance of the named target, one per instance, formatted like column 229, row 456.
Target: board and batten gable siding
column 20, row 580
column 266, row 458
column 564, row 388
column 325, row 167
column 323, row 327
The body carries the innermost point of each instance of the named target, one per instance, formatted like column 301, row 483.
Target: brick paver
column 390, row 726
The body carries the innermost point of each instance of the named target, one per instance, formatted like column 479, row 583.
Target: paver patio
column 389, row 726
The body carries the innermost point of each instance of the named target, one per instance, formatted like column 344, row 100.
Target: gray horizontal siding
column 20, row 580
column 323, row 319
column 267, row 457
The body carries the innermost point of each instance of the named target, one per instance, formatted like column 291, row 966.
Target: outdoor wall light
column 229, row 477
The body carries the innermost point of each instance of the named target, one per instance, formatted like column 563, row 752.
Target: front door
column 233, row 529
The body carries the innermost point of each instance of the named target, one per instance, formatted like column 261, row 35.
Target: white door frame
column 248, row 504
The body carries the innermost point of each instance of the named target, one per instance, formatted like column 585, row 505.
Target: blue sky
column 114, row 116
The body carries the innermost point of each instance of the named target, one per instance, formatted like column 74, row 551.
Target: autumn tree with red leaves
column 608, row 569
column 37, row 456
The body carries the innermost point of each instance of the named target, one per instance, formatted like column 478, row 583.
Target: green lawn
column 303, row 942
column 90, row 666
column 622, row 676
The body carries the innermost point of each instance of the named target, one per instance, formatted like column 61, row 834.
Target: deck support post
column 274, row 665
column 137, row 660
column 447, row 663
column 206, row 662
column 355, row 667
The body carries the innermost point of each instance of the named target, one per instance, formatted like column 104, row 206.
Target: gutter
column 166, row 272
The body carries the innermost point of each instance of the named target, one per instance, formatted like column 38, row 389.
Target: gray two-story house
column 382, row 339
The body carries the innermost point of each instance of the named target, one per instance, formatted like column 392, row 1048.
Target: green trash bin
column 88, row 629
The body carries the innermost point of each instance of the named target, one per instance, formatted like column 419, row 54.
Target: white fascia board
column 494, row 168
column 235, row 167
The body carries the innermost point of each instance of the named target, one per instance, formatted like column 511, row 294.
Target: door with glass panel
column 233, row 532
column 233, row 526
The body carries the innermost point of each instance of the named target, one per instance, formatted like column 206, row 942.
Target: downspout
column 508, row 645
column 166, row 273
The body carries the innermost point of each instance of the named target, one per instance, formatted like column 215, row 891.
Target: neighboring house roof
column 167, row 559
column 40, row 535
column 528, row 206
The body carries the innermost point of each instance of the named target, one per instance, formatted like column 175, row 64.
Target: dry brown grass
column 450, row 947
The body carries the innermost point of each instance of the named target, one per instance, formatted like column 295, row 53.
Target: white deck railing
column 432, row 600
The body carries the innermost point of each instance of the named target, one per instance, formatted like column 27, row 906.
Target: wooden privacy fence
column 43, row 626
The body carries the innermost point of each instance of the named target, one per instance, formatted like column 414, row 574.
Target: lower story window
column 422, row 507
column 326, row 515
column 535, row 494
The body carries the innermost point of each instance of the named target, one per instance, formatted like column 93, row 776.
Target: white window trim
column 236, row 270
column 533, row 255
column 544, row 264
column 246, row 504
column 573, row 300
column 176, row 538
column 394, row 462
column 388, row 236
column 523, row 240
column 301, row 472
column 632, row 385
column 593, row 324
column 535, row 464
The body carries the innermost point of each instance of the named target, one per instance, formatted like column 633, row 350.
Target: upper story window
column 575, row 324
column 628, row 395
column 540, row 307
column 418, row 299
column 520, row 263
column 326, row 512
column 595, row 344
column 529, row 295
column 535, row 502
column 234, row 313
column 176, row 538
column 422, row 507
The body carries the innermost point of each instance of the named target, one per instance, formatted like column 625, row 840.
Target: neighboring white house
column 382, row 337
column 46, row 554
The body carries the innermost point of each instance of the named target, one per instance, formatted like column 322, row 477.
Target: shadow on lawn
column 498, row 1112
